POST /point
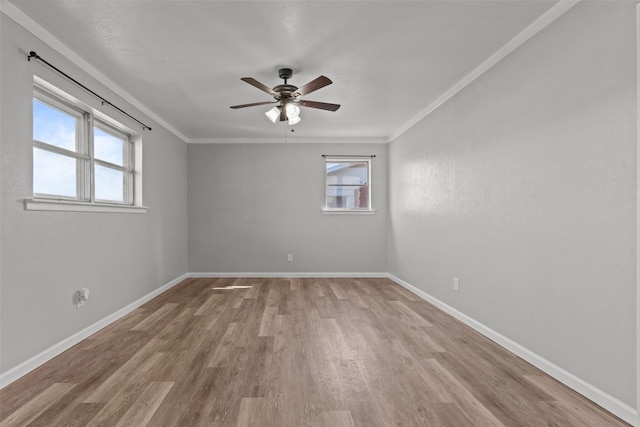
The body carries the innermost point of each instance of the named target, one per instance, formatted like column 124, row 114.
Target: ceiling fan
column 287, row 97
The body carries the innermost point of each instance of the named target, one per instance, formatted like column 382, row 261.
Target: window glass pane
column 109, row 184
column 53, row 126
column 347, row 186
column 108, row 147
column 54, row 174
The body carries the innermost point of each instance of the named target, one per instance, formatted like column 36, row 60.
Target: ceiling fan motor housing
column 284, row 91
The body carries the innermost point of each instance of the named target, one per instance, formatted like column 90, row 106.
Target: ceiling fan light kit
column 287, row 97
column 294, row 120
column 273, row 114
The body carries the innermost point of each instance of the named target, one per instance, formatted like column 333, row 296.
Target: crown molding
column 287, row 140
column 56, row 44
column 534, row 28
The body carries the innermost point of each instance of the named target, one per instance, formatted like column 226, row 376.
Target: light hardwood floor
column 291, row 353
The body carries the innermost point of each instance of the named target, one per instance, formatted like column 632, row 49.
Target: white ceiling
column 183, row 59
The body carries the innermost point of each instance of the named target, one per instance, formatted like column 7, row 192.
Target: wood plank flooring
column 291, row 353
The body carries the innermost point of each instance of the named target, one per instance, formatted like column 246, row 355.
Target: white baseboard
column 287, row 275
column 608, row 402
column 24, row 368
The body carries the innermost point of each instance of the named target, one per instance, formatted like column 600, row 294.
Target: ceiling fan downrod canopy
column 285, row 74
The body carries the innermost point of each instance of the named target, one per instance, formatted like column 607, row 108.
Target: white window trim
column 326, row 211
column 73, row 206
column 345, row 211
column 133, row 160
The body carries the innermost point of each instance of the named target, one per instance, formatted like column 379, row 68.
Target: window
column 112, row 175
column 348, row 185
column 57, row 158
column 80, row 156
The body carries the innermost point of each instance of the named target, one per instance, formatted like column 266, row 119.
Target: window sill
column 347, row 212
column 64, row 206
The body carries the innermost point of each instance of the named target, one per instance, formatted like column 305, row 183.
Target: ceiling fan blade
column 261, row 86
column 253, row 104
column 312, row 86
column 320, row 105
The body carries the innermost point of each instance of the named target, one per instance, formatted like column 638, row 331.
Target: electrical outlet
column 289, row 257
column 456, row 284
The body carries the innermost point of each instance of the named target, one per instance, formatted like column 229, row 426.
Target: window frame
column 128, row 157
column 351, row 159
column 79, row 155
column 88, row 119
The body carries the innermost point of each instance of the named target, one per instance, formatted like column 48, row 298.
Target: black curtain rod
column 34, row 55
column 355, row 156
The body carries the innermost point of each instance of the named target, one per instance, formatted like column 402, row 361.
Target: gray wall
column 252, row 204
column 46, row 256
column 523, row 186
